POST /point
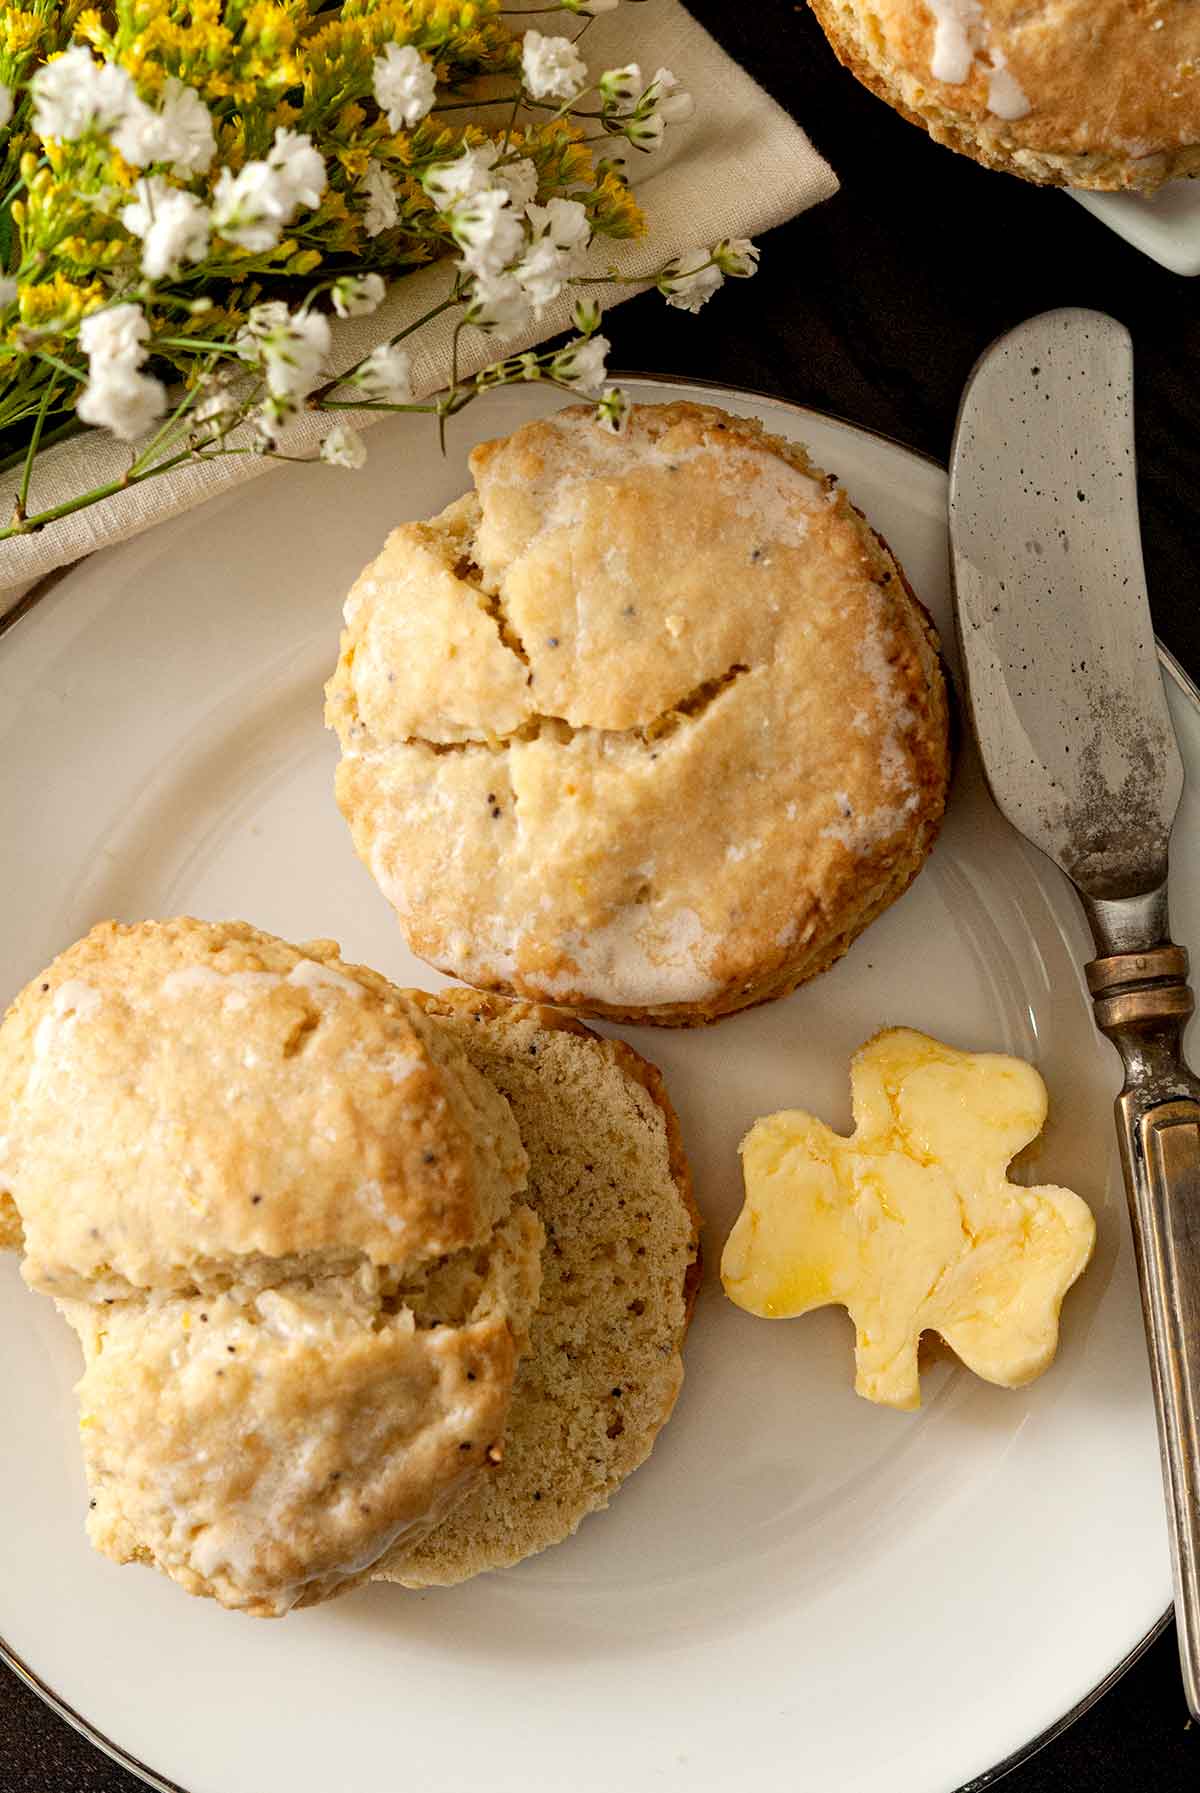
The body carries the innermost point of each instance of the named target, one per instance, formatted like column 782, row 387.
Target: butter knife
column 1067, row 702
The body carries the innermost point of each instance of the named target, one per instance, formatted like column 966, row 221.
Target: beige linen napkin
column 736, row 169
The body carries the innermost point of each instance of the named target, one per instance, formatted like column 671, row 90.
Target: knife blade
column 1066, row 699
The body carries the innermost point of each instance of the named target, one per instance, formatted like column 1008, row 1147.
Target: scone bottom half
column 609, row 1179
column 280, row 1208
column 648, row 727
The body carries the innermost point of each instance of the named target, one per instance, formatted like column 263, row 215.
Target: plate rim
column 1188, row 688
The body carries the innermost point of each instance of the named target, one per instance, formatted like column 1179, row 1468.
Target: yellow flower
column 58, row 304
column 613, row 210
column 20, row 31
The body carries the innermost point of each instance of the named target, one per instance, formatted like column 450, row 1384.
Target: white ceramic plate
column 798, row 1588
column 1164, row 225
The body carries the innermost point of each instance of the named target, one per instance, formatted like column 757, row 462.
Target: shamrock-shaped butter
column 911, row 1223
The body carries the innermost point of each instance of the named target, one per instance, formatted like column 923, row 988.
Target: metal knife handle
column 1142, row 1002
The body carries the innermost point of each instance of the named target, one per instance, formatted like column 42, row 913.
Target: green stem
column 316, row 399
column 72, row 373
column 164, row 433
column 207, row 343
column 30, row 525
column 27, row 472
column 500, row 99
column 364, row 404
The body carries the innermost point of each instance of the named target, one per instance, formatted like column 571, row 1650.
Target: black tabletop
column 874, row 307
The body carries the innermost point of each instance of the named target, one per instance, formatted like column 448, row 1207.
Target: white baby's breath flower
column 621, row 88
column 8, row 293
column 520, row 182
column 487, row 231
column 542, row 272
column 117, row 334
column 736, row 256
column 119, row 398
column 498, row 302
column 180, row 133
column 263, row 321
column 173, row 226
column 645, row 132
column 690, row 281
column 299, row 166
column 295, row 362
column 475, row 171
column 560, row 231
column 344, row 447
column 551, row 67
column 668, row 98
column 563, row 221
column 585, row 315
column 380, row 189
column 6, row 105
column 272, row 418
column 249, row 207
column 252, row 207
column 612, row 410
column 291, row 349
column 386, row 374
column 405, row 85
column 466, row 174
column 72, row 95
column 216, row 400
column 357, row 296
column 582, row 364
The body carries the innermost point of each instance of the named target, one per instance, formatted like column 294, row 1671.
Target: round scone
column 647, row 727
column 1078, row 93
column 609, row 1180
column 277, row 1205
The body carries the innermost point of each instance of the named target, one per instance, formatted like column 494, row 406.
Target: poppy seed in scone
column 694, row 684
column 1100, row 94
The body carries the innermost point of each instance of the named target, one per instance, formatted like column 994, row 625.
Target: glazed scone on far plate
column 1101, row 94
column 647, row 726
column 279, row 1207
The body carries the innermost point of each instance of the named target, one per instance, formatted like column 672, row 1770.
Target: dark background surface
column 874, row 307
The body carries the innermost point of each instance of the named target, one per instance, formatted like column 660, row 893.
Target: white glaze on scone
column 1089, row 93
column 645, row 726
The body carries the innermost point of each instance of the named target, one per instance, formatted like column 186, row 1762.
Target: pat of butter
column 911, row 1223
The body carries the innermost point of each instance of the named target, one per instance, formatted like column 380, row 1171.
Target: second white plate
column 1164, row 225
column 798, row 1586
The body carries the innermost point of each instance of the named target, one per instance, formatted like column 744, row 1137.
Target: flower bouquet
column 191, row 190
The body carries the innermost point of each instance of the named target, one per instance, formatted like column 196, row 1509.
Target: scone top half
column 1088, row 93
column 646, row 726
column 277, row 1205
column 191, row 1104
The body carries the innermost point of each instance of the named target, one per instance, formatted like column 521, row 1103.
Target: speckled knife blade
column 1063, row 678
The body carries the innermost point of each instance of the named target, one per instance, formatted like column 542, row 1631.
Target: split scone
column 277, row 1204
column 610, row 1183
column 1078, row 93
column 647, row 726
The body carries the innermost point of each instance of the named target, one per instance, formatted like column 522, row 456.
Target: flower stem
column 27, row 471
column 30, row 525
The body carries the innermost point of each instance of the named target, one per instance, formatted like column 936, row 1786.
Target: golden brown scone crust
column 647, row 727
column 275, row 1202
column 184, row 1100
column 1101, row 94
column 611, row 1184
